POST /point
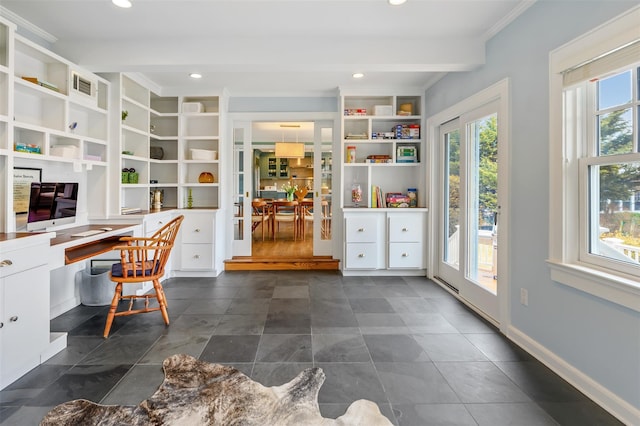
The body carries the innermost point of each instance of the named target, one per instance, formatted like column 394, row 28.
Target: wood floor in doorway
column 283, row 253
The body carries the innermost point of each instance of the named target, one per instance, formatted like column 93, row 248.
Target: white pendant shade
column 290, row 149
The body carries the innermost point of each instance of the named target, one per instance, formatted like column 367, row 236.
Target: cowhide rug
column 199, row 393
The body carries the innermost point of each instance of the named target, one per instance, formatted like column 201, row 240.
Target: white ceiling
column 270, row 47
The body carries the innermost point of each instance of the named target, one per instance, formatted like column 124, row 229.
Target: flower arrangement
column 290, row 190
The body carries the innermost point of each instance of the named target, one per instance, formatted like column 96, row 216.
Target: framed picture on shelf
column 22, row 178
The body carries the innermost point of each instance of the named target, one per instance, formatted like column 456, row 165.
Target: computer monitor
column 52, row 204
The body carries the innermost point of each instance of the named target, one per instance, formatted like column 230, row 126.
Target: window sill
column 614, row 288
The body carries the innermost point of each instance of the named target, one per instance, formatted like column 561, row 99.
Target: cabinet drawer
column 196, row 256
column 152, row 224
column 18, row 260
column 361, row 256
column 197, row 229
column 361, row 229
column 406, row 227
column 406, row 255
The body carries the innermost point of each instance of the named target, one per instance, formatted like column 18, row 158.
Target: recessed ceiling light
column 122, row 3
column 195, row 75
column 358, row 75
column 396, row 2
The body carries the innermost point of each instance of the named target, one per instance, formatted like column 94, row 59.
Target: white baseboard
column 618, row 407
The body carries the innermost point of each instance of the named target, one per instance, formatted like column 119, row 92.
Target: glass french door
column 469, row 207
column 321, row 190
column 241, row 188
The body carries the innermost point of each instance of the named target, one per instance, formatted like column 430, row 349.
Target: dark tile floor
column 402, row 342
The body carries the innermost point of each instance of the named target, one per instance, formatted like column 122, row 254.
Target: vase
column 206, row 177
column 289, row 196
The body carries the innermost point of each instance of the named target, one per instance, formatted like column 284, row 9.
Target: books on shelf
column 378, row 158
column 377, row 199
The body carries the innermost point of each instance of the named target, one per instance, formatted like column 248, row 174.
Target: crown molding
column 23, row 23
column 507, row 19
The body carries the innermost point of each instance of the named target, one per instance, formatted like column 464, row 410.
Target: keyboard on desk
column 88, row 233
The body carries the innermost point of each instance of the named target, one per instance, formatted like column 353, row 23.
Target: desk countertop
column 64, row 236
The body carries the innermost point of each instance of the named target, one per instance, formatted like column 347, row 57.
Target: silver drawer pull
column 13, row 318
column 196, row 230
column 405, row 229
column 360, row 229
column 361, row 255
column 196, row 256
column 405, row 254
column 6, row 262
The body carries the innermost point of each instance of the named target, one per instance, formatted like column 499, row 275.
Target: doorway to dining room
column 265, row 227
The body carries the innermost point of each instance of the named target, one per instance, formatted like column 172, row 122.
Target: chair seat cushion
column 146, row 269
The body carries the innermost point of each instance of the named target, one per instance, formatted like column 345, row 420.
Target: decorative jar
column 206, row 177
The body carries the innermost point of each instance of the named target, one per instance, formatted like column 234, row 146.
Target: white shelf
column 390, row 177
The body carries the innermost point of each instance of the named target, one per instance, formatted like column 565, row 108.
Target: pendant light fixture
column 289, row 149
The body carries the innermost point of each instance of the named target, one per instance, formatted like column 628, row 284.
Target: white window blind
column 601, row 65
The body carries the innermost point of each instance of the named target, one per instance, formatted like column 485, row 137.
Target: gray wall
column 599, row 338
column 283, row 104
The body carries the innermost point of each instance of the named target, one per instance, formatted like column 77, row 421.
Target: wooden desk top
column 64, row 235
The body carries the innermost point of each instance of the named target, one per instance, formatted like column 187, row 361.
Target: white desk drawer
column 197, row 229
column 18, row 260
column 406, row 227
column 196, row 256
column 362, row 229
column 361, row 256
column 153, row 223
column 406, row 255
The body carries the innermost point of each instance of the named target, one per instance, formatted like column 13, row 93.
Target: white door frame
column 227, row 194
column 498, row 92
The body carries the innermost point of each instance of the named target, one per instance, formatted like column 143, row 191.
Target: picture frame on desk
column 22, row 178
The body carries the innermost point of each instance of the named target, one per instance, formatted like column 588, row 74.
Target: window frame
column 571, row 154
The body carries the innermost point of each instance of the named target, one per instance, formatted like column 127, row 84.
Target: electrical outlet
column 524, row 296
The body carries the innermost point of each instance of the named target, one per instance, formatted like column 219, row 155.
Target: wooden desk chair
column 260, row 214
column 284, row 211
column 142, row 259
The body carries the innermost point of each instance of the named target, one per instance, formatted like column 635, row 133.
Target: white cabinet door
column 361, row 256
column 406, row 227
column 155, row 222
column 24, row 315
column 196, row 256
column 197, row 229
column 362, row 228
column 406, row 255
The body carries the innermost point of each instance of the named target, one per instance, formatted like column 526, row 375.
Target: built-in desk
column 66, row 249
column 77, row 249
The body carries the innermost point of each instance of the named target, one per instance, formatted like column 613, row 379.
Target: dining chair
column 284, row 211
column 325, row 226
column 260, row 214
column 142, row 259
column 306, row 215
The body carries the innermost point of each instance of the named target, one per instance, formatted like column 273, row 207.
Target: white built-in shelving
column 48, row 122
column 156, row 141
column 369, row 125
